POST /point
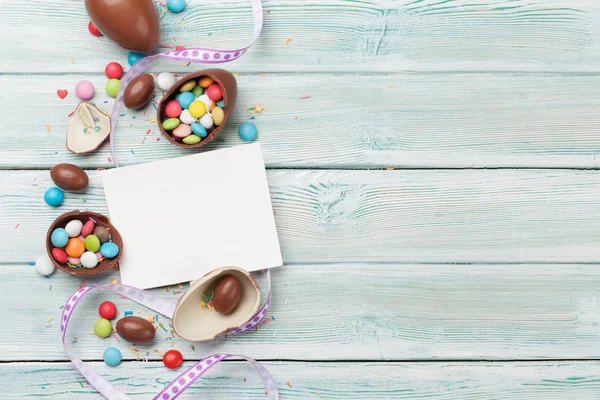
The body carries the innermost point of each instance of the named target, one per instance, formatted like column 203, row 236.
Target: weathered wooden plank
column 340, row 35
column 345, row 312
column 440, row 120
column 377, row 216
column 454, row 381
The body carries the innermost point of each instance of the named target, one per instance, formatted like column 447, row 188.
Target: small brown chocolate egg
column 101, row 233
column 227, row 294
column 69, row 177
column 139, row 92
column 135, row 329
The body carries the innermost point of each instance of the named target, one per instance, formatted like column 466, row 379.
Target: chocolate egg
column 69, row 177
column 101, row 233
column 135, row 329
column 132, row 24
column 227, row 294
column 139, row 92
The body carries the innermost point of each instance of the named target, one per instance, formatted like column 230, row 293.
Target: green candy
column 92, row 243
column 191, row 139
column 197, row 91
column 112, row 87
column 103, row 328
column 171, row 124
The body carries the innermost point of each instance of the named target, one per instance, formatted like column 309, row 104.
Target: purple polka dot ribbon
column 166, row 308
column 196, row 55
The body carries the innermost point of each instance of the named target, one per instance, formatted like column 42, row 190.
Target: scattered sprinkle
column 180, row 287
column 391, row 86
column 157, row 139
column 188, row 64
column 318, row 393
column 134, row 351
column 116, row 338
column 80, row 384
column 132, row 152
column 82, row 284
column 307, row 96
column 175, row 38
column 16, row 226
column 109, row 159
column 114, row 281
column 48, row 128
column 150, row 318
column 236, row 74
column 286, row 301
column 50, row 288
column 166, row 46
column 289, row 384
column 288, row 41
column 258, row 108
column 49, row 319
column 158, row 351
column 389, row 169
column 162, row 326
column 193, row 347
column 126, row 313
column 275, row 333
column 168, row 288
column 71, row 59
column 173, row 344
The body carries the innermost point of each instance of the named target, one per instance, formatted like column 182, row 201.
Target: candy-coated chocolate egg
column 166, row 80
column 170, row 124
column 99, row 255
column 188, row 86
column 107, row 310
column 69, row 177
column 74, row 228
column 205, row 81
column 187, row 118
column 112, row 87
column 74, row 260
column 221, row 104
column 176, row 5
column 132, row 24
column 204, row 98
column 191, row 139
column 197, row 90
column 93, row 30
column 109, row 250
column 186, row 98
column 218, row 115
column 133, row 57
column 172, row 359
column 113, row 70
column 89, row 259
column 87, row 228
column 215, row 92
column 139, row 92
column 92, row 243
column 103, row 328
column 248, row 131
column 206, row 121
column 135, row 329
column 101, row 233
column 112, row 356
column 75, row 247
column 54, row 197
column 197, row 109
column 173, row 109
column 84, row 90
column 199, row 130
column 182, row 131
column 44, row 266
column 59, row 237
column 59, row 255
column 227, row 294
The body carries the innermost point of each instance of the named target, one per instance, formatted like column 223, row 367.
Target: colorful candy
column 103, row 328
column 172, row 359
column 248, row 131
column 191, row 139
column 93, row 30
column 197, row 109
column 84, row 90
column 54, row 197
column 218, row 115
column 197, row 90
column 199, row 130
column 204, row 98
column 74, row 228
column 176, row 5
column 113, row 70
column 59, row 237
column 139, row 92
column 215, row 92
column 101, row 233
column 89, row 260
column 134, row 57
column 69, row 177
column 59, row 255
column 112, row 356
column 88, row 228
column 188, row 86
column 182, row 131
column 92, row 243
column 205, row 81
column 206, row 121
column 112, row 87
column 44, row 266
column 170, row 124
column 185, row 99
column 109, row 250
column 75, row 247
column 135, row 329
column 166, row 80
column 107, row 310
column 186, row 117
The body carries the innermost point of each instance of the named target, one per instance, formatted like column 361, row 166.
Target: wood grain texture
column 440, row 120
column 438, row 381
column 332, row 35
column 345, row 312
column 377, row 216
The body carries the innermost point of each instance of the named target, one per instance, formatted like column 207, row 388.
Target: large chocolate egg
column 132, row 24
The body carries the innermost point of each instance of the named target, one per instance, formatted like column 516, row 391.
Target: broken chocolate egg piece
column 88, row 128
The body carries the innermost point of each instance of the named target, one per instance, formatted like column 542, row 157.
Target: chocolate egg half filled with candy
column 197, row 319
column 132, row 24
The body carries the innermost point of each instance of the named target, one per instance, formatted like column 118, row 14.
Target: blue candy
column 59, row 237
column 54, row 197
column 199, row 130
column 176, row 5
column 112, row 357
column 248, row 131
column 134, row 57
column 109, row 250
column 185, row 99
column 221, row 104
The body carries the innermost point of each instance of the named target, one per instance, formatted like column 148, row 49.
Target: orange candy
column 75, row 247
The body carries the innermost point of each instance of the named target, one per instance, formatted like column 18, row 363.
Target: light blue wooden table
column 437, row 197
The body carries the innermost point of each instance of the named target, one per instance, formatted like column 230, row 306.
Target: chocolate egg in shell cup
column 228, row 86
column 102, row 225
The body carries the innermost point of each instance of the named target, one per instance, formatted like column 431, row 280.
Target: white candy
column 187, row 118
column 206, row 121
column 165, row 80
column 204, row 98
column 74, row 227
column 44, row 266
column 89, row 259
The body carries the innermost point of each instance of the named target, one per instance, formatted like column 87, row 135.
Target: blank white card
column 183, row 217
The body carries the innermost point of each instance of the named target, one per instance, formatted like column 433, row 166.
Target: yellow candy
column 187, row 86
column 197, row 109
column 218, row 115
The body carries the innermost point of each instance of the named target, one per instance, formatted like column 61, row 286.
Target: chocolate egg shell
column 132, row 24
column 227, row 294
column 135, row 329
column 139, row 92
column 69, row 177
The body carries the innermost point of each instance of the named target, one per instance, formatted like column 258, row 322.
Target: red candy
column 93, row 30
column 113, row 70
column 172, row 359
column 214, row 92
column 107, row 310
column 59, row 255
column 179, row 48
column 88, row 228
column 173, row 109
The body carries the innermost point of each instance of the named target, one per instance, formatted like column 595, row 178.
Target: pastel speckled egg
column 112, row 356
column 215, row 92
column 186, row 98
column 59, row 237
column 166, row 80
column 182, row 131
column 187, row 118
column 109, row 250
column 197, row 109
column 54, row 197
column 206, row 121
column 103, row 328
column 170, row 124
column 191, row 139
column 248, row 131
column 74, row 227
column 199, row 130
column 173, row 109
column 44, row 266
column 84, row 90
column 92, row 243
column 89, row 259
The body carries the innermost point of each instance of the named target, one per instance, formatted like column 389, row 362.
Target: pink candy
column 74, row 260
column 84, row 90
column 214, row 92
column 88, row 228
column 173, row 109
column 182, row 131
